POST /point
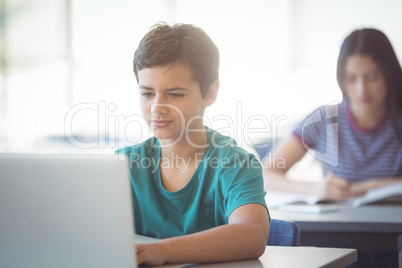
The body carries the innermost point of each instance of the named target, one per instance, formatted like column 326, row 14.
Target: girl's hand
column 334, row 188
column 360, row 188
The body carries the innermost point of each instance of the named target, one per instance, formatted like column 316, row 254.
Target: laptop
column 65, row 211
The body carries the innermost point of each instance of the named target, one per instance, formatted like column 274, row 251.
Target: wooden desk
column 367, row 227
column 296, row 257
column 286, row 257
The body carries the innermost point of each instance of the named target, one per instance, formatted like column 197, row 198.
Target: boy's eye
column 176, row 95
column 147, row 94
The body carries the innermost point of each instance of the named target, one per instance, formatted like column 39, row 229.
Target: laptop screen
column 65, row 211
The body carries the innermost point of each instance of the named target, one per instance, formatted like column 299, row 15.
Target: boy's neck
column 179, row 162
column 188, row 147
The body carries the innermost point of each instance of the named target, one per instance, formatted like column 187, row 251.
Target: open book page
column 275, row 199
column 389, row 193
column 291, row 202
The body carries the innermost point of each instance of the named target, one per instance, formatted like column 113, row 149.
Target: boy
column 191, row 185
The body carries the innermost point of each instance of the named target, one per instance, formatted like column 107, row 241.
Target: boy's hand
column 150, row 254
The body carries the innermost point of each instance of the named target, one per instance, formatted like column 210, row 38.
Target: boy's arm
column 245, row 237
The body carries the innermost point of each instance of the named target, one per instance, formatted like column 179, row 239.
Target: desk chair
column 283, row 233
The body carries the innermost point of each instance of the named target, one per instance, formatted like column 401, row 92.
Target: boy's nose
column 159, row 108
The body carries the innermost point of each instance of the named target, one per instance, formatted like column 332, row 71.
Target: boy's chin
column 166, row 138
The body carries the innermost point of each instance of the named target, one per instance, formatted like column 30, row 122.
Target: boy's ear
column 212, row 94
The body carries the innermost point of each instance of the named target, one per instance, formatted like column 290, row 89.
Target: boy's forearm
column 224, row 243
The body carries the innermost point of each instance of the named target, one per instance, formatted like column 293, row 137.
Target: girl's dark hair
column 374, row 43
column 184, row 43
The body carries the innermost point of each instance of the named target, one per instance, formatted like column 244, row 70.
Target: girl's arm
column 288, row 153
column 360, row 188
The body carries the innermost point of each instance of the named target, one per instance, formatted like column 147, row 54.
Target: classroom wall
column 278, row 62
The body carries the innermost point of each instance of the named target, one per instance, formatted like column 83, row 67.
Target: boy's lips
column 161, row 123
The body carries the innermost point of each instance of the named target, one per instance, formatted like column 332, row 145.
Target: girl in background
column 358, row 141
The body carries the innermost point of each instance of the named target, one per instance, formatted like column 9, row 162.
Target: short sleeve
column 242, row 183
column 309, row 130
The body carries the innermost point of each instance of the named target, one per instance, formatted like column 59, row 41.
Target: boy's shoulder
column 225, row 156
column 225, row 146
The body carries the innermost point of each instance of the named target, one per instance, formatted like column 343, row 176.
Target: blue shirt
column 227, row 177
column 348, row 151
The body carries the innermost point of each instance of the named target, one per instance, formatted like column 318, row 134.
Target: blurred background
column 67, row 85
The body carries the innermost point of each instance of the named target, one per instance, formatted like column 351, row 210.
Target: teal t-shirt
column 227, row 177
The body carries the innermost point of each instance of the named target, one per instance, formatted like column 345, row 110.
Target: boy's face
column 171, row 100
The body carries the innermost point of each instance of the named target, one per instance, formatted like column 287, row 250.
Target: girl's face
column 364, row 84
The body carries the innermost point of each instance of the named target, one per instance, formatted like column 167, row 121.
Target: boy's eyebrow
column 176, row 88
column 168, row 89
column 147, row 88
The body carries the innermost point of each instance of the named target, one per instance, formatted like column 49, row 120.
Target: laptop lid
column 65, row 211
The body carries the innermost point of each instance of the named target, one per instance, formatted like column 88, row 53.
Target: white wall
column 278, row 60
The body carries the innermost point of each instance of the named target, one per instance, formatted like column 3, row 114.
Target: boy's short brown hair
column 184, row 43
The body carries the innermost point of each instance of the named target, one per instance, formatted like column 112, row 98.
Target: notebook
column 387, row 194
column 65, row 211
